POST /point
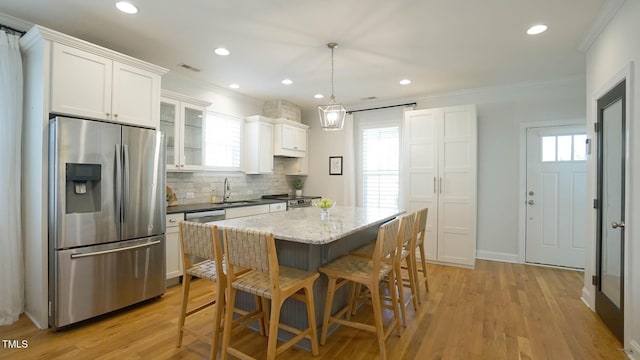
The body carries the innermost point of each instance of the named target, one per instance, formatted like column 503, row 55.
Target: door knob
column 531, row 202
column 531, row 193
column 616, row 225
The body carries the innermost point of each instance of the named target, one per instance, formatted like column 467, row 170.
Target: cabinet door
column 420, row 178
column 193, row 136
column 135, row 96
column 246, row 211
column 457, row 158
column 173, row 254
column 170, row 125
column 265, row 153
column 289, row 137
column 80, row 83
column 301, row 139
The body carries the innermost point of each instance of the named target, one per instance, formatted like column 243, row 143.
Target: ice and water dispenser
column 83, row 188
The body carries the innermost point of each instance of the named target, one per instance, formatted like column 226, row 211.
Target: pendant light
column 332, row 115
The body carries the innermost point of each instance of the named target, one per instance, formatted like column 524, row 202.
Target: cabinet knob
column 108, row 114
column 177, row 165
column 116, row 115
column 172, row 220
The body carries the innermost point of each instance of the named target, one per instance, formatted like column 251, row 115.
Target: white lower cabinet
column 237, row 212
column 173, row 255
column 278, row 207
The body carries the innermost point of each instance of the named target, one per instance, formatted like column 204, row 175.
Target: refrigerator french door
column 106, row 218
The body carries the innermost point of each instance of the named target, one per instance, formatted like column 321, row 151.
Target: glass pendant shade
column 332, row 115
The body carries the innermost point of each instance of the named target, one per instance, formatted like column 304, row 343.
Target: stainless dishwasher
column 205, row 216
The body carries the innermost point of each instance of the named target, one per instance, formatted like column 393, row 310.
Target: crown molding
column 608, row 10
column 14, row 22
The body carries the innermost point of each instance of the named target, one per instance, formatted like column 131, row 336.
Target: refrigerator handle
column 125, row 168
column 118, row 192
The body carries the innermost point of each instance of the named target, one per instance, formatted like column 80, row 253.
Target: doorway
column 556, row 195
column 610, row 234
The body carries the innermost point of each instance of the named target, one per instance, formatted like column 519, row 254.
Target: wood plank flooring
column 497, row 311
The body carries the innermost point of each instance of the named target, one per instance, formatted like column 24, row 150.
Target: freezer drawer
column 94, row 280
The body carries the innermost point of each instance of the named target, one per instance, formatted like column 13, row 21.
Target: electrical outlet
column 191, row 195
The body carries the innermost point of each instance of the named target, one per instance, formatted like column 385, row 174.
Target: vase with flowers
column 325, row 204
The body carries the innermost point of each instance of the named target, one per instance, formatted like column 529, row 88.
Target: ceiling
column 441, row 46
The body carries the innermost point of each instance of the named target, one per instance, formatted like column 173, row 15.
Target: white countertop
column 304, row 225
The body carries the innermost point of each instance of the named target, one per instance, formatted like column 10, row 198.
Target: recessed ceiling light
column 287, row 81
column 127, row 7
column 537, row 29
column 318, row 96
column 405, row 82
column 234, row 86
column 222, row 51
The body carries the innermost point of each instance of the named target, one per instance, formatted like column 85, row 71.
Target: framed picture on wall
column 335, row 165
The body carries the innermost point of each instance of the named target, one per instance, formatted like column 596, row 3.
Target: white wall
column 501, row 110
column 615, row 50
column 222, row 100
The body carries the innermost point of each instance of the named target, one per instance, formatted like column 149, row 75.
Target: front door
column 611, row 204
column 556, row 196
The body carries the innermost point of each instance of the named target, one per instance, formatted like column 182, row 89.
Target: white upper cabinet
column 258, row 145
column 183, row 121
column 289, row 139
column 90, row 85
column 440, row 172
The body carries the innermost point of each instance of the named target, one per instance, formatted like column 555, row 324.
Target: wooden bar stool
column 370, row 272
column 256, row 250
column 202, row 241
column 406, row 239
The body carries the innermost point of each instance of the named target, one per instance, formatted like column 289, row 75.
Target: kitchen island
column 306, row 241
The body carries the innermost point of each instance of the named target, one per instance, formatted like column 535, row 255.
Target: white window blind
column 380, row 148
column 222, row 138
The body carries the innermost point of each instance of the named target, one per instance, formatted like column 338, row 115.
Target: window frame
column 360, row 126
column 240, row 121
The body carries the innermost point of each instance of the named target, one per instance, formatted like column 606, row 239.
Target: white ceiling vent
column 189, row 67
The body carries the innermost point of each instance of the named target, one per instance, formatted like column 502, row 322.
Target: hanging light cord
column 332, row 95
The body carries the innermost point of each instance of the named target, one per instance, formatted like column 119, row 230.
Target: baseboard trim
column 634, row 352
column 36, row 323
column 497, row 256
column 586, row 298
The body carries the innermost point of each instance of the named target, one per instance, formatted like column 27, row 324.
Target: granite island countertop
column 304, row 225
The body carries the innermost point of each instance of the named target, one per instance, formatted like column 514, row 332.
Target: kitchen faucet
column 227, row 190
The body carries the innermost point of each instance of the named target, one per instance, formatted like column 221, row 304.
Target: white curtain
column 349, row 164
column 11, row 258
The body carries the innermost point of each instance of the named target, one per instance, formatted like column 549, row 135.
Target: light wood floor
column 497, row 311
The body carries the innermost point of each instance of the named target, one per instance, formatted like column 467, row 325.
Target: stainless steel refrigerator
column 106, row 218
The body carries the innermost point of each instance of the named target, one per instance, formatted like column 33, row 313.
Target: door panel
column 611, row 212
column 89, row 214
column 143, row 187
column 556, row 189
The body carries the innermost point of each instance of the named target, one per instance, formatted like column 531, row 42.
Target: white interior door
column 556, row 196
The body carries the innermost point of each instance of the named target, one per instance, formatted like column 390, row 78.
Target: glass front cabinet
column 182, row 121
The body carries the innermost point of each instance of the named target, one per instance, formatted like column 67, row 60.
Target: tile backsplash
column 243, row 187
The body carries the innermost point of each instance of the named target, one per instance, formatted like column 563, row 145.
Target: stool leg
column 218, row 310
column 228, row 319
column 394, row 301
column 413, row 280
column 400, row 287
column 424, row 266
column 331, row 288
column 311, row 316
column 274, row 321
column 377, row 316
column 186, row 282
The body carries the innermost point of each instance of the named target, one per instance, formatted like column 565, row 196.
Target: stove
column 293, row 201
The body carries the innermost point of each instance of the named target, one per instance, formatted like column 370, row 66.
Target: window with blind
column 222, row 140
column 380, row 165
